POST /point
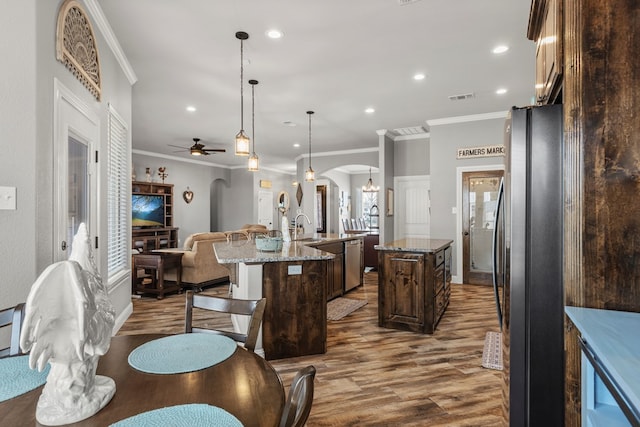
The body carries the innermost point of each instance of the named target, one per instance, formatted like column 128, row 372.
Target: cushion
column 215, row 235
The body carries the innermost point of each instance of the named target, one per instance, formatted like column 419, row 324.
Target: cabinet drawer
column 440, row 304
column 438, row 279
column 439, row 258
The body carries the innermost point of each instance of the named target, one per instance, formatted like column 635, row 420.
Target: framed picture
column 389, row 202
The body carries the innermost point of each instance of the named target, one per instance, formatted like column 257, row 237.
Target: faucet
column 295, row 224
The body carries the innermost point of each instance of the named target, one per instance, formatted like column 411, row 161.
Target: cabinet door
column 336, row 275
column 402, row 292
column 549, row 53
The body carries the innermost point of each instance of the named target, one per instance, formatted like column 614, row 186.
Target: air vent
column 462, row 97
column 405, row 2
column 414, row 130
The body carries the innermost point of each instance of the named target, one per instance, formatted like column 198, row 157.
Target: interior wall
column 411, row 157
column 18, row 167
column 445, row 140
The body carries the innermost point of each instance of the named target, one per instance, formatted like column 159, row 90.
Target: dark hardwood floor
column 372, row 376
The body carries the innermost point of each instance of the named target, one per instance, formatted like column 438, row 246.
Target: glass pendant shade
column 242, row 144
column 253, row 159
column 370, row 188
column 253, row 162
column 309, row 175
column 242, row 140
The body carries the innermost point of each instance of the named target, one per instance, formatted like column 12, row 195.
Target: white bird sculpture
column 68, row 323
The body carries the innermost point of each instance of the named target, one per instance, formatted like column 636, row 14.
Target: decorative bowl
column 270, row 244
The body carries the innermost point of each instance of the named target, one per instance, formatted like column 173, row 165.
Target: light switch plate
column 8, row 198
column 294, row 270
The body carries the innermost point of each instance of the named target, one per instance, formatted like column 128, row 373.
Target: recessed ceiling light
column 419, row 76
column 501, row 91
column 500, row 49
column 191, row 108
column 296, row 145
column 370, row 110
column 274, row 34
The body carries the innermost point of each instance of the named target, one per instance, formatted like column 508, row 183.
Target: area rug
column 340, row 307
column 492, row 353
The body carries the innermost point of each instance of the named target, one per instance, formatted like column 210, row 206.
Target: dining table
column 244, row 385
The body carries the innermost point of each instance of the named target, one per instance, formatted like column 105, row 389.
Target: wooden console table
column 156, row 262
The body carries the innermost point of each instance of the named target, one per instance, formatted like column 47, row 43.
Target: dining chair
column 12, row 317
column 252, row 308
column 300, row 398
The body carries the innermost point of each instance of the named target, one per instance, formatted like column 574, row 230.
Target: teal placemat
column 194, row 415
column 17, row 378
column 177, row 354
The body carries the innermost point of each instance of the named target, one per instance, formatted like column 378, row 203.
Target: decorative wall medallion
column 76, row 46
column 187, row 195
column 299, row 194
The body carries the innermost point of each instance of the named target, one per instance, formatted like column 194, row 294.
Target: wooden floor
column 372, row 376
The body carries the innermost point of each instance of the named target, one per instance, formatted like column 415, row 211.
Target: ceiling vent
column 413, row 130
column 405, row 2
column 462, row 97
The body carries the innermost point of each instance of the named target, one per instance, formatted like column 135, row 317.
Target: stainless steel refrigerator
column 528, row 267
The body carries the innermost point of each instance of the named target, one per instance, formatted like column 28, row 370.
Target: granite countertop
column 415, row 245
column 612, row 335
column 246, row 251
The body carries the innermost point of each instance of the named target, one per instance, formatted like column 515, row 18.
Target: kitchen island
column 294, row 282
column 414, row 283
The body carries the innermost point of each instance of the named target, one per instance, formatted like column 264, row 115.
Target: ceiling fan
column 198, row 149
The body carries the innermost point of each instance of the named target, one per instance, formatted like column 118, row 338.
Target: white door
column 76, row 136
column 412, row 207
column 265, row 208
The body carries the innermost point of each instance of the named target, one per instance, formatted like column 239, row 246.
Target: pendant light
column 242, row 140
column 370, row 188
column 310, row 175
column 253, row 159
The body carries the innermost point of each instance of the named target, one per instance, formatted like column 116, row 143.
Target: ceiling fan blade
column 177, row 146
column 215, row 150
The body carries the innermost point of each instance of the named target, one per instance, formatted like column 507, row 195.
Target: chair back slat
column 12, row 317
column 300, row 399
column 252, row 308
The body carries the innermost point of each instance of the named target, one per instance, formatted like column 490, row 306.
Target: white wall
column 28, row 34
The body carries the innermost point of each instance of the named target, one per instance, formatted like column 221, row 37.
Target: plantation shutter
column 117, row 194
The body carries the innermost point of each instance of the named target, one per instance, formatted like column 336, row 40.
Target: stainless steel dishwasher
column 352, row 263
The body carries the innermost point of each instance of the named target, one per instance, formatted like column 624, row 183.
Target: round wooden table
column 244, row 385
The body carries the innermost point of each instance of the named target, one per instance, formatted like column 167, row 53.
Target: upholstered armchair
column 200, row 267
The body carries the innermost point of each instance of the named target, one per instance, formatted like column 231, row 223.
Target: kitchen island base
column 414, row 283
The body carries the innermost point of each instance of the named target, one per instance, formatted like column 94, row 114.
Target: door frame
column 73, row 117
column 457, row 275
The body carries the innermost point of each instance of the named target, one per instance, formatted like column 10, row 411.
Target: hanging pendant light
column 242, row 140
column 253, row 159
column 309, row 175
column 370, row 188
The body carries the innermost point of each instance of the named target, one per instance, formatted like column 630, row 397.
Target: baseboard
column 128, row 310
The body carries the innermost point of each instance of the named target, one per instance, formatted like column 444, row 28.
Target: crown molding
column 469, row 118
column 112, row 41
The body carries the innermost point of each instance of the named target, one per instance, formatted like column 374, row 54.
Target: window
column 117, row 195
column 369, row 200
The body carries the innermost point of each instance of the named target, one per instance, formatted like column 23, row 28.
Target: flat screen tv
column 147, row 210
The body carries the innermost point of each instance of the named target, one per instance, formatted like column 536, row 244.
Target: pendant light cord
column 309, row 113
column 253, row 127
column 241, row 85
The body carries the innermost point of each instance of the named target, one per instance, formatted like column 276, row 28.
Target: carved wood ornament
column 76, row 46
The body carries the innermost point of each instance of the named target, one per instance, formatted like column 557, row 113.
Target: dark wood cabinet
column 335, row 279
column 370, row 254
column 414, row 289
column 295, row 318
column 146, row 239
column 545, row 28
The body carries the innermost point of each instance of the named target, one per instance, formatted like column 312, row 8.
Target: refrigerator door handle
column 496, row 291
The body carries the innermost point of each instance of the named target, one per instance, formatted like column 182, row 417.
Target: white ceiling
column 337, row 57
